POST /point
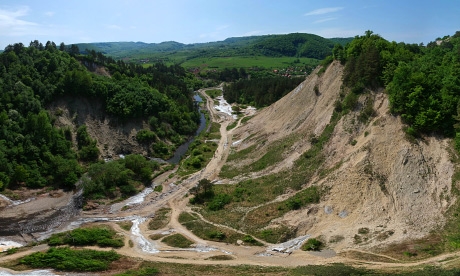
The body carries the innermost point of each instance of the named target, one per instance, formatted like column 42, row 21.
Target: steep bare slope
column 113, row 136
column 381, row 187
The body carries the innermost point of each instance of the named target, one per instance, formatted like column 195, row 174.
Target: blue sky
column 190, row 21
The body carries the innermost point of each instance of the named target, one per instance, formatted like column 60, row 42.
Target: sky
column 194, row 21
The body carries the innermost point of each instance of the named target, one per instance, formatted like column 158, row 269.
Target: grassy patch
column 145, row 271
column 312, row 244
column 245, row 119
column 177, row 240
column 359, row 255
column 208, row 231
column 161, row 219
column 277, row 234
column 429, row 246
column 200, row 152
column 332, row 269
column 221, row 258
column 66, row 259
column 247, row 62
column 213, row 93
column 156, row 236
column 103, row 236
column 273, row 155
column 125, row 225
column 232, row 125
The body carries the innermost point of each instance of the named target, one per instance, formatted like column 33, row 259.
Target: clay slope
column 113, row 136
column 377, row 180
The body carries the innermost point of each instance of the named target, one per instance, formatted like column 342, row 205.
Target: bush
column 145, row 136
column 216, row 235
column 219, row 201
column 294, row 204
column 177, row 240
column 101, row 236
column 312, row 244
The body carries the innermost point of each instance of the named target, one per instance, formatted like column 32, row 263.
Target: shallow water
column 182, row 149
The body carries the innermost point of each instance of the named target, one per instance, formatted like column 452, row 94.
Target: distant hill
column 288, row 45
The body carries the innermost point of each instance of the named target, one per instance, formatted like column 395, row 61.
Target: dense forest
column 34, row 153
column 293, row 45
column 423, row 82
column 260, row 92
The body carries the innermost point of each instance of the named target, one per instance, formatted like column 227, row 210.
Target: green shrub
column 146, row 271
column 219, row 201
column 101, row 236
column 177, row 240
column 216, row 235
column 312, row 244
column 145, row 136
column 67, row 259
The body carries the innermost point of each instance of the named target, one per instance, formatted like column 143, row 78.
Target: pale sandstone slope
column 397, row 189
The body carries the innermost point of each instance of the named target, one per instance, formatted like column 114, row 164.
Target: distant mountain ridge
column 292, row 45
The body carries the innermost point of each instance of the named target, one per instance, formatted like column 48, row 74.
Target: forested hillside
column 260, row 92
column 291, row 45
column 34, row 153
column 422, row 81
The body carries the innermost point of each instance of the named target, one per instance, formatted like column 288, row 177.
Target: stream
column 182, row 149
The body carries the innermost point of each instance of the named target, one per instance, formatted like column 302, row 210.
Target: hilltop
column 297, row 45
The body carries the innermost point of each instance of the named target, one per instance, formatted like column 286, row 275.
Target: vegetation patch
column 145, row 271
column 432, row 245
column 208, row 231
column 200, row 152
column 160, row 219
column 177, row 240
column 273, row 155
column 118, row 178
column 221, row 258
column 100, row 235
column 280, row 233
column 312, row 244
column 157, row 236
column 332, row 269
column 66, row 259
column 367, row 256
column 232, row 125
column 213, row 93
column 125, row 225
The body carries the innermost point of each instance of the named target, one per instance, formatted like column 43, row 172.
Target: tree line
column 260, row 92
column 423, row 82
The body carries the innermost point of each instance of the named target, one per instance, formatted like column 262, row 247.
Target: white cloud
column 325, row 19
column 114, row 27
column 49, row 13
column 10, row 19
column 323, row 11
